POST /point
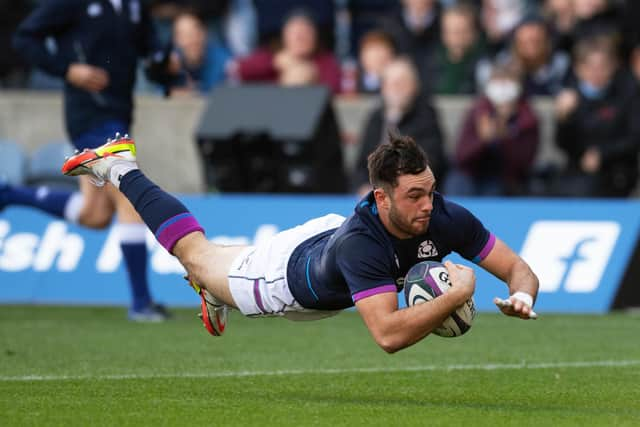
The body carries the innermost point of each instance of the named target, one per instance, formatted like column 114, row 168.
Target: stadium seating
column 44, row 165
column 12, row 162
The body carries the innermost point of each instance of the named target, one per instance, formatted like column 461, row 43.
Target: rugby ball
column 428, row 280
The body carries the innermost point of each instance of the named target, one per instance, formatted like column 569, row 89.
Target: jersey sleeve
column 470, row 238
column 50, row 18
column 366, row 267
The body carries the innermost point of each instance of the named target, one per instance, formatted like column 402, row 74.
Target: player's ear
column 381, row 197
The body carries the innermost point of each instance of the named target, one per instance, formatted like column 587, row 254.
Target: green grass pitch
column 89, row 366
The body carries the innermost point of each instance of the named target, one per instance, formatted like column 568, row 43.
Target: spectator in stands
column 498, row 141
column 456, row 58
column 299, row 61
column 403, row 108
column 203, row 59
column 598, row 124
column 239, row 27
column 499, row 18
column 561, row 18
column 415, row 30
column 233, row 22
column 544, row 71
column 271, row 16
column 376, row 52
column 596, row 18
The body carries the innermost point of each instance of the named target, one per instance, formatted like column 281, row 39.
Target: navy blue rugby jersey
column 335, row 269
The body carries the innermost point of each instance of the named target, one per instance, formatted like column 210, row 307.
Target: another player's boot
column 213, row 313
column 98, row 162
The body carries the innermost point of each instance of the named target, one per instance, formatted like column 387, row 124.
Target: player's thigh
column 208, row 264
column 126, row 212
column 97, row 208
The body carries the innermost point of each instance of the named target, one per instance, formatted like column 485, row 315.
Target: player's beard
column 408, row 227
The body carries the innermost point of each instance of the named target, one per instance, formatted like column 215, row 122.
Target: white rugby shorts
column 258, row 276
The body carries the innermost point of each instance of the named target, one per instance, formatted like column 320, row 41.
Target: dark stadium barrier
column 628, row 294
column 271, row 139
column 580, row 249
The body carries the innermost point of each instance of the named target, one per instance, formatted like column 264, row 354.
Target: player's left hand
column 513, row 306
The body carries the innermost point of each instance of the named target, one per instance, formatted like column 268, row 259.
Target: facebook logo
column 570, row 255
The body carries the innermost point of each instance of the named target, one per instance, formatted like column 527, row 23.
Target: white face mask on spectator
column 502, row 91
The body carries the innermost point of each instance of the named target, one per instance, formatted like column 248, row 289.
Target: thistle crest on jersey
column 427, row 250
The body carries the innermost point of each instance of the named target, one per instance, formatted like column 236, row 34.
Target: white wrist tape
column 524, row 297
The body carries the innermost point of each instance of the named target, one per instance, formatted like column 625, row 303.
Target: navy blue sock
column 166, row 217
column 43, row 198
column 135, row 258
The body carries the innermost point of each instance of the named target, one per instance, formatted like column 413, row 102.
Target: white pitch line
column 337, row 371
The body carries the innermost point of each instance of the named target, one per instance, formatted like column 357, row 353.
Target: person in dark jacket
column 98, row 45
column 598, row 125
column 498, row 141
column 406, row 110
column 415, row 31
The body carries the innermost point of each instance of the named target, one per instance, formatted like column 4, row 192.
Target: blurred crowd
column 584, row 55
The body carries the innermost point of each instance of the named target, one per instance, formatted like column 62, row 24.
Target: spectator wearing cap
column 298, row 61
column 498, row 142
column 598, row 124
column 457, row 56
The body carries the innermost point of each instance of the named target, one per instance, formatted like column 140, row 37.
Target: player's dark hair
column 399, row 156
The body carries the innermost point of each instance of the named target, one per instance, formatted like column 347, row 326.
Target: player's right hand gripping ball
column 428, row 280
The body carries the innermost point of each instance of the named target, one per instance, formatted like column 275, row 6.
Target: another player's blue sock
column 166, row 217
column 134, row 252
column 43, row 198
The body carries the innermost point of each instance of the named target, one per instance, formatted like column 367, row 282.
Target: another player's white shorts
column 258, row 276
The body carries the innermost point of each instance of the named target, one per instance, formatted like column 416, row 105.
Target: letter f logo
column 570, row 255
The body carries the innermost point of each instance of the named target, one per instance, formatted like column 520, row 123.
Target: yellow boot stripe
column 116, row 148
column 195, row 286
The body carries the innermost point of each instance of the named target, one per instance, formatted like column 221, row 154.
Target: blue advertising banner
column 578, row 248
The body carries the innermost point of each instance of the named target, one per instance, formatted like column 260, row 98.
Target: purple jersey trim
column 176, row 228
column 374, row 291
column 487, row 248
column 258, row 296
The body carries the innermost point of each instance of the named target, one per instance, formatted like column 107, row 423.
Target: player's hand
column 87, row 77
column 566, row 102
column 487, row 128
column 591, row 160
column 463, row 280
column 515, row 307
